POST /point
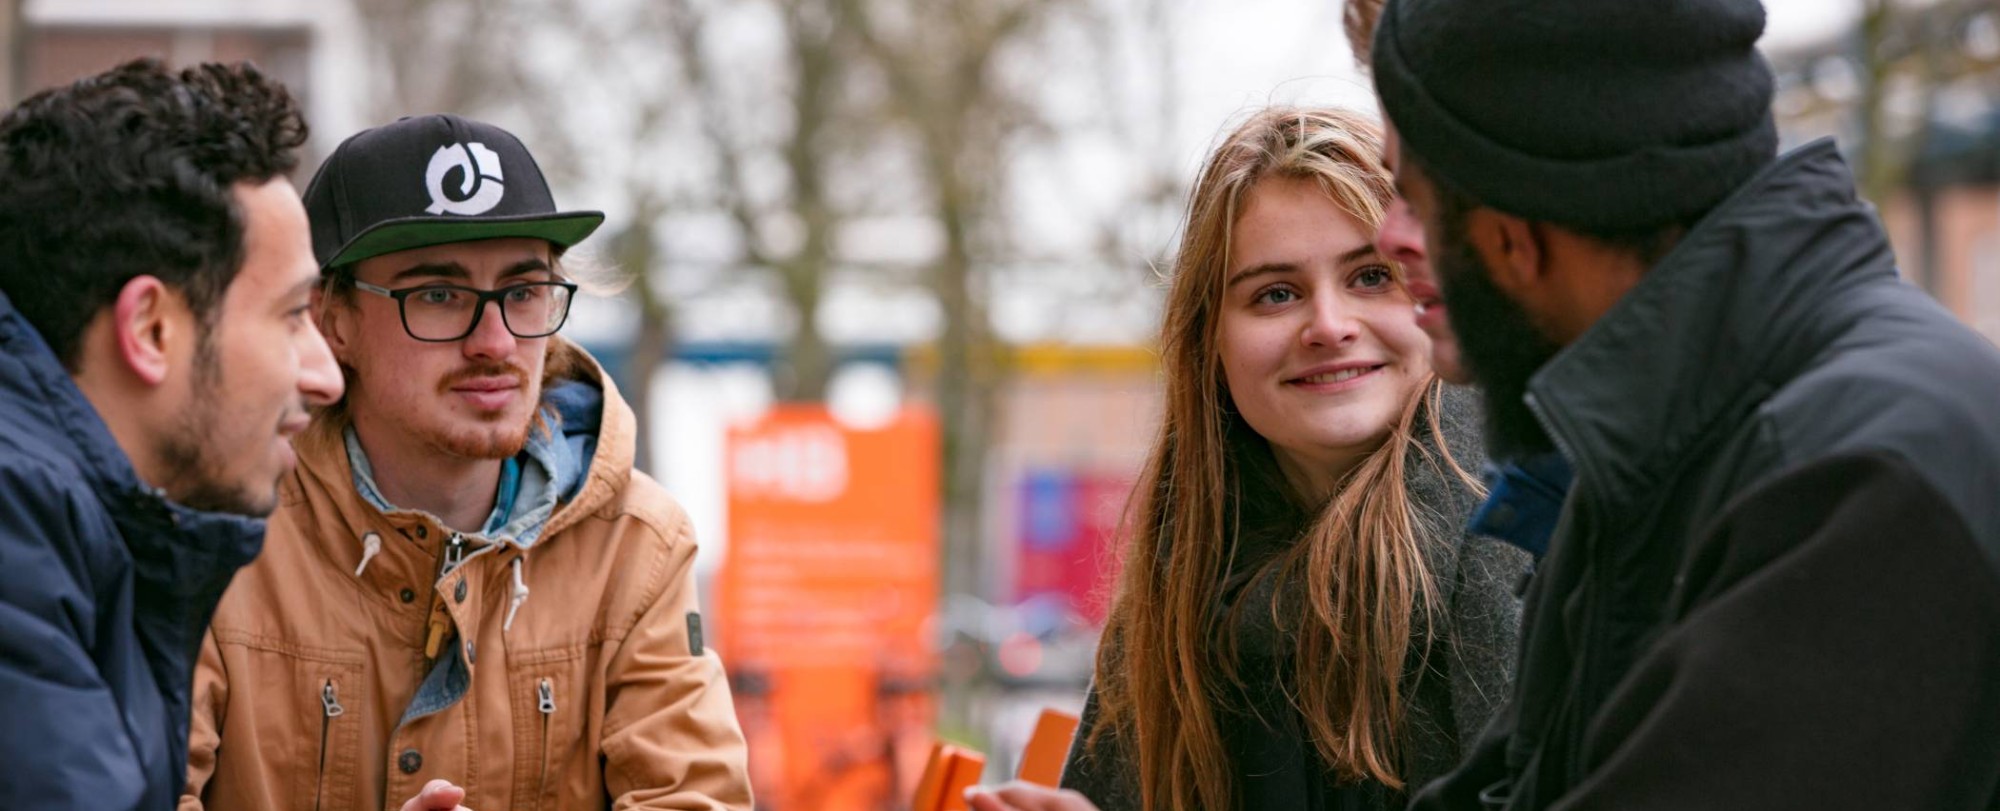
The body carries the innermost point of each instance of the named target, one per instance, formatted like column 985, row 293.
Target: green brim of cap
column 564, row 229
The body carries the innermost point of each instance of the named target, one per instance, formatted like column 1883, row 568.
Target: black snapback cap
column 431, row 180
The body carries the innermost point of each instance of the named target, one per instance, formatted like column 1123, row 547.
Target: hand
column 1019, row 796
column 438, row 795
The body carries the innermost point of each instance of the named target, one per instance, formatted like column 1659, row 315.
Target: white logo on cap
column 480, row 187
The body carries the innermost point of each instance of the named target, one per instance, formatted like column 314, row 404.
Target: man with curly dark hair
column 156, row 355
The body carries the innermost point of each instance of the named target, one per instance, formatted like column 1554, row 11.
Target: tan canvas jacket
column 598, row 693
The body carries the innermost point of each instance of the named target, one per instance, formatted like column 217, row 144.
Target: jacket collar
column 1737, row 308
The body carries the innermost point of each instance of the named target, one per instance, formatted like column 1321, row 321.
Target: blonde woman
column 1301, row 622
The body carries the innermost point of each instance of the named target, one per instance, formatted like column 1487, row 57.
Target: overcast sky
column 1245, row 53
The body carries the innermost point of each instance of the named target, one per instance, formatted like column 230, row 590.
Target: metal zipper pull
column 454, row 552
column 330, row 700
column 545, row 692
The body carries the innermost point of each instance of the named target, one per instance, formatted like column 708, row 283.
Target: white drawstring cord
column 520, row 594
column 371, row 545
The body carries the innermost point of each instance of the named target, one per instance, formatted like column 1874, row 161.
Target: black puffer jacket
column 1464, row 676
column 1777, row 581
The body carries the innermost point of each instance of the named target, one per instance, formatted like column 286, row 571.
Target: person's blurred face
column 474, row 397
column 257, row 369
column 1401, row 240
column 1316, row 341
column 1496, row 344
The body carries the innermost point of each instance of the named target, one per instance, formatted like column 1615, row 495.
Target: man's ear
column 334, row 322
column 143, row 327
column 1512, row 248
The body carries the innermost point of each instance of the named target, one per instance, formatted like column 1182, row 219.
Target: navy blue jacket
column 105, row 589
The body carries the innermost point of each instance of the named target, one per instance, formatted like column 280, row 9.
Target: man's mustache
column 494, row 369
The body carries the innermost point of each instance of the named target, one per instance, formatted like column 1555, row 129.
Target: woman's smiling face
column 1318, row 341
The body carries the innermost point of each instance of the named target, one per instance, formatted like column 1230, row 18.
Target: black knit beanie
column 1600, row 115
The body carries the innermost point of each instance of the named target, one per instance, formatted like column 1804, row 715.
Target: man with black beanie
column 1776, row 583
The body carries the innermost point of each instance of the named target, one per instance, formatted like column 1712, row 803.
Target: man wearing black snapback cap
column 469, row 594
column 1776, row 582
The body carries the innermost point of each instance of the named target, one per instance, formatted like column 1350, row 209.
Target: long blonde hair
column 1352, row 592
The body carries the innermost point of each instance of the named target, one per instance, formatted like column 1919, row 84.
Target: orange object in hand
column 1042, row 761
column 949, row 773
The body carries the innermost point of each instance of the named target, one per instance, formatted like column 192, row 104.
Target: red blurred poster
column 1068, row 526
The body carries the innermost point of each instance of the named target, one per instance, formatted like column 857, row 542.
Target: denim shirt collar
column 549, row 470
column 1524, row 500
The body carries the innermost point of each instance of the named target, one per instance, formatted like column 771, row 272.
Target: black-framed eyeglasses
column 449, row 312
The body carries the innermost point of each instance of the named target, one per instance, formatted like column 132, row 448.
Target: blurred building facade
column 1913, row 93
column 313, row 47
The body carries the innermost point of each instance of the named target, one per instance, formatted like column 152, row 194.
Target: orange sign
column 824, row 602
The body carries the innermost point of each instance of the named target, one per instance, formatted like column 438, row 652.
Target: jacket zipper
column 440, row 621
column 546, row 695
column 1583, row 681
column 329, row 701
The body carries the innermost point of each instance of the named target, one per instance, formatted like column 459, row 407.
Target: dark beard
column 207, row 492
column 1501, row 348
column 196, row 479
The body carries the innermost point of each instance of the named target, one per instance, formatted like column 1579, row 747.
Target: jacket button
column 410, row 761
column 422, row 531
column 458, row 591
column 406, row 595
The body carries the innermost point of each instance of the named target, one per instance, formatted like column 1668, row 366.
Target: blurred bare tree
column 1137, row 235
column 1883, row 42
column 941, row 61
column 1905, row 54
column 632, row 82
column 445, row 55
column 881, row 109
column 789, row 230
column 1882, row 86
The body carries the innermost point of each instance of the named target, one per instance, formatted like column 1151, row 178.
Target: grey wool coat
column 1452, row 692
